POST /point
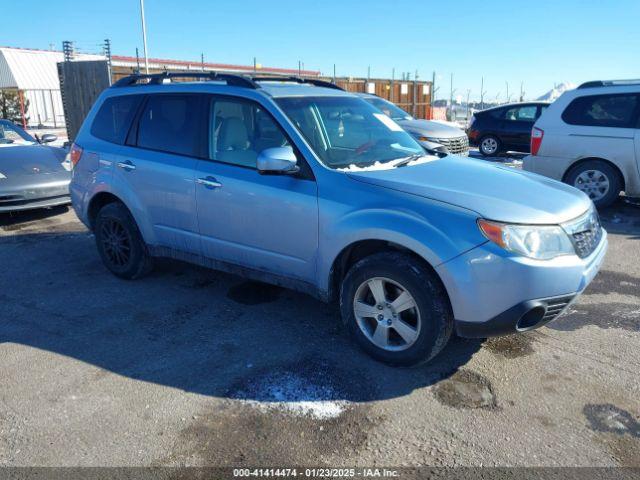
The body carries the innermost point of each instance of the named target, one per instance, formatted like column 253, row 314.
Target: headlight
column 541, row 242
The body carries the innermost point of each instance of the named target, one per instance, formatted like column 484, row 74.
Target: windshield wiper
column 409, row 159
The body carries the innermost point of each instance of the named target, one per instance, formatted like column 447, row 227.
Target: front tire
column 396, row 309
column 120, row 244
column 489, row 146
column 599, row 180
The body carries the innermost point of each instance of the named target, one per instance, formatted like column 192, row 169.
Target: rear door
column 517, row 124
column 264, row 222
column 158, row 163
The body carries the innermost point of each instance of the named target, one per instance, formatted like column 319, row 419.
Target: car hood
column 494, row 192
column 431, row 129
column 21, row 160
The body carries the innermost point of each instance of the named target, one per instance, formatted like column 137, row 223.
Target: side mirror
column 48, row 138
column 279, row 160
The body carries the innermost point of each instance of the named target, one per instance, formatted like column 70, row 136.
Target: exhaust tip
column 531, row 319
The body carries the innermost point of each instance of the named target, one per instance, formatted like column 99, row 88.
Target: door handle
column 209, row 182
column 128, row 166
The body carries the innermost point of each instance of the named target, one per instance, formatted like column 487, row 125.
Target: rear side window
column 603, row 111
column 114, row 118
column 172, row 124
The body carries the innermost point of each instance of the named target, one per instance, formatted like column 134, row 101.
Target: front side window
column 602, row 111
column 240, row 130
column 172, row 124
column 114, row 118
column 345, row 131
column 521, row 114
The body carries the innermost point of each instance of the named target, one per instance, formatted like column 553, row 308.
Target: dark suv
column 503, row 128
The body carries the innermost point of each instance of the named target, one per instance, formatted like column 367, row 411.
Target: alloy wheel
column 594, row 183
column 116, row 242
column 489, row 145
column 387, row 314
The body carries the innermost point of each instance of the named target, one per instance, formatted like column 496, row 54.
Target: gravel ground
column 194, row 367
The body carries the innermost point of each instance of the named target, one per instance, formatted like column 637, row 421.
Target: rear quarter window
column 114, row 118
column 618, row 110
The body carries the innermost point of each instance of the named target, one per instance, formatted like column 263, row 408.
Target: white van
column 590, row 138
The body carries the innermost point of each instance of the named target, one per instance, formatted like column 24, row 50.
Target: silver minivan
column 301, row 184
column 590, row 138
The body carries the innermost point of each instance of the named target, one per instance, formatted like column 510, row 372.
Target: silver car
column 432, row 135
column 301, row 184
column 32, row 175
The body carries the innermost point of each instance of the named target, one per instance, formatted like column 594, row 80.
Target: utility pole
column 137, row 62
column 106, row 49
column 202, row 61
column 451, row 99
column 468, row 95
column 144, row 37
column 299, row 68
column 508, row 96
column 334, row 73
column 255, row 65
column 482, row 94
column 522, row 91
column 433, row 88
column 393, row 75
column 368, row 73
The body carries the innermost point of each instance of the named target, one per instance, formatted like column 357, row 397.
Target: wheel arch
column 360, row 249
column 613, row 165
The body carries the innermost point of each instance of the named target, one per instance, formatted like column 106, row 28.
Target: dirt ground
column 194, row 367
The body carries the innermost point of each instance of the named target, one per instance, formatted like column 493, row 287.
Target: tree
column 10, row 106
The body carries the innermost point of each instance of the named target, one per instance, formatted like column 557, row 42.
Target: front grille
column 555, row 307
column 456, row 146
column 585, row 232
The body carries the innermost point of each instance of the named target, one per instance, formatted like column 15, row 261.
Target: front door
column 264, row 222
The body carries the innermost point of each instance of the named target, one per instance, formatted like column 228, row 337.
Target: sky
column 535, row 44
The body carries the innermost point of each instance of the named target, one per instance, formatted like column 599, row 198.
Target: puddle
column 466, row 389
column 624, row 432
column 511, row 346
column 310, row 389
column 254, row 293
column 603, row 315
column 611, row 419
column 608, row 282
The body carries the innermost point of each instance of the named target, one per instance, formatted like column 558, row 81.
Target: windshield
column 10, row 133
column 345, row 131
column 388, row 108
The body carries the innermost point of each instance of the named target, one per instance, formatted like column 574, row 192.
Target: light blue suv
column 298, row 183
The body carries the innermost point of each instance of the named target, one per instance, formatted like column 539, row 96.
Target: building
column 34, row 75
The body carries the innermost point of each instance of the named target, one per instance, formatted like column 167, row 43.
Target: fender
column 428, row 239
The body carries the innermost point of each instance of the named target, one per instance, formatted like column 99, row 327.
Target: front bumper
column 38, row 194
column 491, row 290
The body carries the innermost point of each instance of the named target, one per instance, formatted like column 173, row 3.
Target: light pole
column 144, row 37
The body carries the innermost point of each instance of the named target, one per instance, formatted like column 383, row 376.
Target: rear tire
column 599, row 180
column 415, row 328
column 120, row 244
column 489, row 146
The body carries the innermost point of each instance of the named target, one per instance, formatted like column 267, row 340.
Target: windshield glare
column 346, row 131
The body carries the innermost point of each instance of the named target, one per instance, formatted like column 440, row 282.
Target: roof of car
column 273, row 86
column 288, row 89
column 515, row 104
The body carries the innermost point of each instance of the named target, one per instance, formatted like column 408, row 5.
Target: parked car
column 504, row 128
column 590, row 138
column 303, row 185
column 434, row 136
column 32, row 175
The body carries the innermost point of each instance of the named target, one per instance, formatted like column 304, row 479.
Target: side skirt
column 241, row 271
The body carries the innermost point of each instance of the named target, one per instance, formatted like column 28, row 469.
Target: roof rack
column 311, row 81
column 609, row 83
column 159, row 78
